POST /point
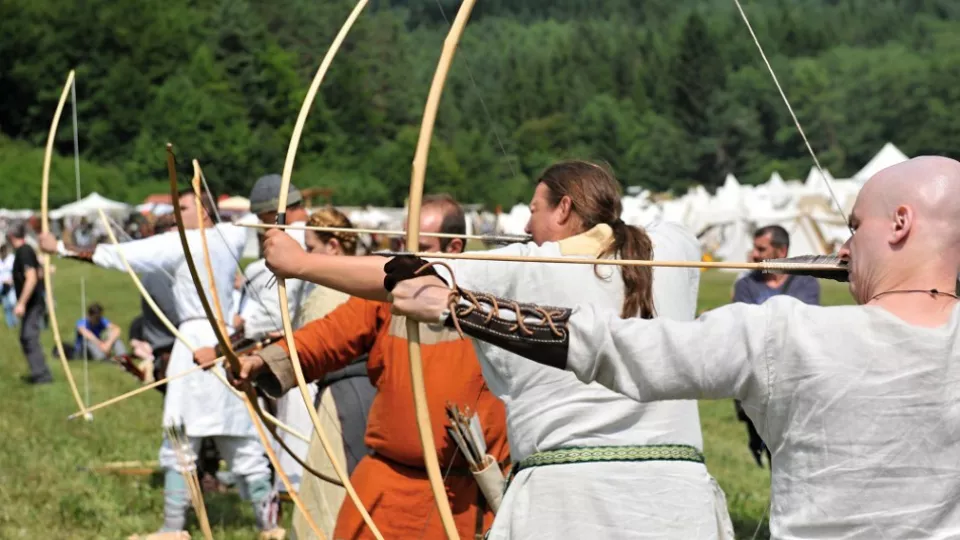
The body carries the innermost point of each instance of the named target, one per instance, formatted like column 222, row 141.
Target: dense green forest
column 669, row 92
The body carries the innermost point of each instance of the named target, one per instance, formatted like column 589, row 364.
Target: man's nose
column 844, row 251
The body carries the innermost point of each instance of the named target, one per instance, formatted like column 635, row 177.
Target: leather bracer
column 542, row 333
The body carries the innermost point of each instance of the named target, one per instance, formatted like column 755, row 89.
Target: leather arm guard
column 538, row 333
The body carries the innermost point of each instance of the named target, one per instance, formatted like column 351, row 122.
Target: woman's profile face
column 316, row 245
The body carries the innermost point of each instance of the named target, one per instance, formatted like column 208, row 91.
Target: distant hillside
column 669, row 92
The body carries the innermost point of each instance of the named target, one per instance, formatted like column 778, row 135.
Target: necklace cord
column 934, row 292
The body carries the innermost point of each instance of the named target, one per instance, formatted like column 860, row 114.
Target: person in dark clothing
column 773, row 242
column 770, row 242
column 353, row 394
column 30, row 308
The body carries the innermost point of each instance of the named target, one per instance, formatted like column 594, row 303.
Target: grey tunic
column 861, row 410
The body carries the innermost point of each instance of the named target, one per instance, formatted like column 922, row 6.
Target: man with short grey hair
column 756, row 287
column 860, row 403
column 773, row 242
column 265, row 195
column 261, row 311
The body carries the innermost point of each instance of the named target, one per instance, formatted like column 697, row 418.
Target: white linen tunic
column 199, row 401
column 261, row 311
column 261, row 315
column 549, row 409
column 861, row 410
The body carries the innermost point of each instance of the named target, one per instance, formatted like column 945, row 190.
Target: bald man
column 391, row 480
column 860, row 404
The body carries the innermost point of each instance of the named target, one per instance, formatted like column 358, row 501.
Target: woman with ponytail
column 617, row 468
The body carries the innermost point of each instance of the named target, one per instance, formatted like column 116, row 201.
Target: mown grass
column 44, row 493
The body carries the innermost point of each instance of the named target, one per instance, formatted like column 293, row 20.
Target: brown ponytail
column 595, row 198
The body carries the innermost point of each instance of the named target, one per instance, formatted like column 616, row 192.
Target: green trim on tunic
column 599, row 454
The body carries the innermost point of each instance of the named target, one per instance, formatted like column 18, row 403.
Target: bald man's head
column 441, row 213
column 907, row 223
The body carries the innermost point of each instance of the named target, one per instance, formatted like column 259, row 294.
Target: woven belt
column 600, row 454
column 448, row 470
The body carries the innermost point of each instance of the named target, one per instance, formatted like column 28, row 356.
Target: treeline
column 669, row 92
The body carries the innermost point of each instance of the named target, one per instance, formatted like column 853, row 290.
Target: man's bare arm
column 89, row 336
column 356, row 276
column 113, row 332
column 721, row 355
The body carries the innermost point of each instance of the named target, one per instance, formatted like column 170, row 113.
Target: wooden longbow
column 45, row 228
column 168, row 324
column 418, row 176
column 250, row 401
column 281, row 283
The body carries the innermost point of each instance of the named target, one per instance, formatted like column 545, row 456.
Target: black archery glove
column 404, row 267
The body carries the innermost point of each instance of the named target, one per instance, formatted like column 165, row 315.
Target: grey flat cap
column 266, row 192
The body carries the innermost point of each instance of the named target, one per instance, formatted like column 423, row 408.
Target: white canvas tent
column 88, row 206
column 725, row 221
column 888, row 156
column 15, row 214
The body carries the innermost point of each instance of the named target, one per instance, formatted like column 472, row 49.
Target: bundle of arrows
column 186, row 461
column 466, row 430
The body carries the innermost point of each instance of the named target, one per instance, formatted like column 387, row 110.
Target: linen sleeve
column 491, row 277
column 323, row 345
column 161, row 252
column 723, row 354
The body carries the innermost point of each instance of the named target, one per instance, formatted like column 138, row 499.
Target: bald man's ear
column 903, row 218
column 456, row 245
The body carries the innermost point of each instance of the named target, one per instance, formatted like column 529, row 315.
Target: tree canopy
column 670, row 93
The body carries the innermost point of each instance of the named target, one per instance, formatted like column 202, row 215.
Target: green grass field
column 45, row 493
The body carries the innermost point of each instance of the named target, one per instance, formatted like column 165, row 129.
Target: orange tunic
column 392, row 483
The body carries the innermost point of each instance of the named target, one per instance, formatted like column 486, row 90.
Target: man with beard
column 859, row 403
column 756, row 287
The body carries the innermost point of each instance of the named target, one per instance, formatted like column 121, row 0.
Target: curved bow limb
column 413, row 233
column 250, row 400
column 168, row 324
column 249, row 396
column 45, row 228
column 281, row 283
column 146, row 387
